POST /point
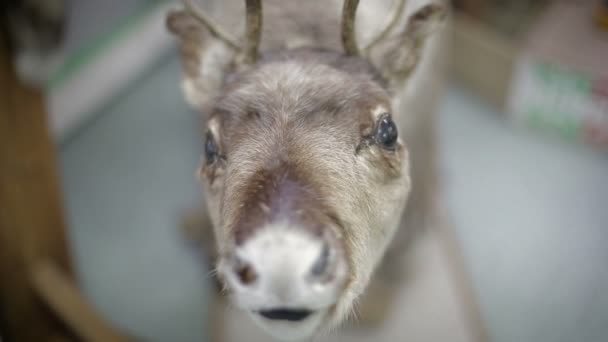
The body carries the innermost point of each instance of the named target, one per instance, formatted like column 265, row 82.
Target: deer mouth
column 289, row 323
column 283, row 314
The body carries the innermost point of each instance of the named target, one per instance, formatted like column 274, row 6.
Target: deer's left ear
column 398, row 55
column 209, row 53
column 205, row 58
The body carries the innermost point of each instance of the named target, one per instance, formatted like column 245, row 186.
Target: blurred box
column 482, row 58
column 487, row 37
column 552, row 74
column 560, row 80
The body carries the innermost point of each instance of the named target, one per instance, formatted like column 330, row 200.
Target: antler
column 349, row 41
column 253, row 32
column 210, row 25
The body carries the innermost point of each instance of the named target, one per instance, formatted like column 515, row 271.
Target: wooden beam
column 31, row 220
column 61, row 295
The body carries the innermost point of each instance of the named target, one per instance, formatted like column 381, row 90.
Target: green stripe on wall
column 95, row 47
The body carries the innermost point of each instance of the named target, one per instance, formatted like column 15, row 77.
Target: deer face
column 306, row 180
column 305, row 174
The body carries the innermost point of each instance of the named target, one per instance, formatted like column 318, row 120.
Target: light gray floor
column 127, row 176
column 530, row 213
column 532, row 216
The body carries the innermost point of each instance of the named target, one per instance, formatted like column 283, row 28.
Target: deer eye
column 211, row 152
column 386, row 132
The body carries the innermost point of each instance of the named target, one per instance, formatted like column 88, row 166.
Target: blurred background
column 523, row 132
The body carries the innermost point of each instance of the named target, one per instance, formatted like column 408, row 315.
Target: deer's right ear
column 205, row 58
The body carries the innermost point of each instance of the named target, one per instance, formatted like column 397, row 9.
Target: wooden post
column 31, row 221
column 61, row 295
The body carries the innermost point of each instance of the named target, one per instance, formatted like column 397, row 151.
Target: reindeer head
column 305, row 174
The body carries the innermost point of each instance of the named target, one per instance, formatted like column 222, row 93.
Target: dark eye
column 210, row 148
column 386, row 132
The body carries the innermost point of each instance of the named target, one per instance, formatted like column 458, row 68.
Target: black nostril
column 293, row 315
column 319, row 267
column 245, row 272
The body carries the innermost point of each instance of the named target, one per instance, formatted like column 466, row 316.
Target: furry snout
column 286, row 278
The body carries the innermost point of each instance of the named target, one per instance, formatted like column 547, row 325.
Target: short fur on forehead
column 303, row 85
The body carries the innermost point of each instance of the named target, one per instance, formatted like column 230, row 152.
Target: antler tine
column 397, row 14
column 253, row 32
column 212, row 27
column 349, row 42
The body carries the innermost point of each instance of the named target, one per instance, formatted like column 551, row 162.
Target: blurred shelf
column 483, row 58
column 534, row 69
